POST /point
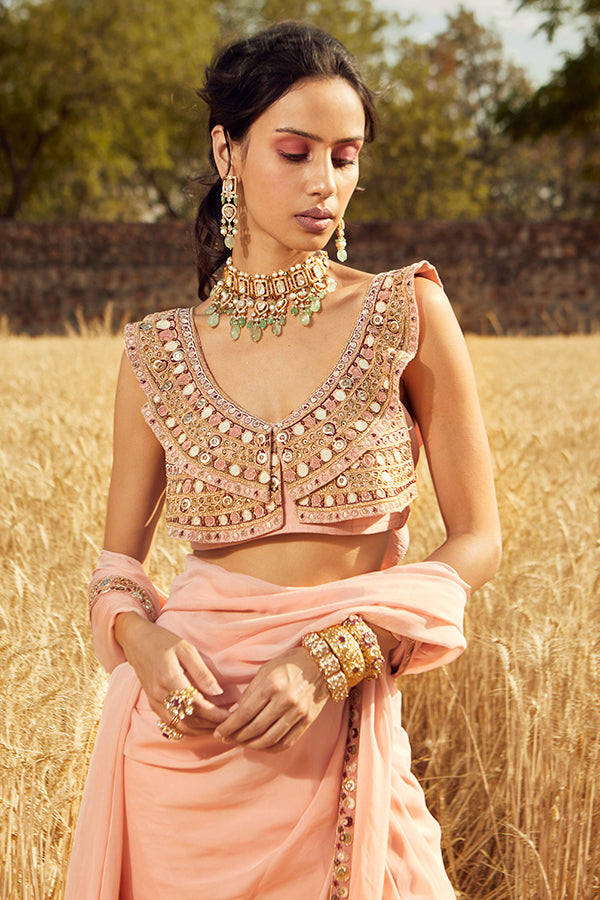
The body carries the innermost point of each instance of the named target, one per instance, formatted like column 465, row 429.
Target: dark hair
column 242, row 81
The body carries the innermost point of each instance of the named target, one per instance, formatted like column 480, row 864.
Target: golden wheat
column 506, row 740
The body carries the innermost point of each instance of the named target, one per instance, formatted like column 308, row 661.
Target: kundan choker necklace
column 257, row 302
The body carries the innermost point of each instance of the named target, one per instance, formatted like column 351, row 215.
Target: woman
column 286, row 454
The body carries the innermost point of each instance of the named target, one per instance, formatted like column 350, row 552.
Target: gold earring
column 340, row 242
column 229, row 202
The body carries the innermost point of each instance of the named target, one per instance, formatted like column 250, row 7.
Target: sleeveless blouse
column 342, row 462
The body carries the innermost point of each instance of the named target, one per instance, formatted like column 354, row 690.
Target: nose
column 322, row 176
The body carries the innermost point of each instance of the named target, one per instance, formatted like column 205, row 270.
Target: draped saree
column 338, row 815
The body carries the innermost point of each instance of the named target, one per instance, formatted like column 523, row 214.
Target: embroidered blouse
column 343, row 461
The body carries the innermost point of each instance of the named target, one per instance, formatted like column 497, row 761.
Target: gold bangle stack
column 368, row 644
column 346, row 648
column 346, row 654
column 328, row 663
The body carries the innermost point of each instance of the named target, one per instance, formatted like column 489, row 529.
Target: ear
column 221, row 150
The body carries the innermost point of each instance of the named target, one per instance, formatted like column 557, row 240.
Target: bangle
column 118, row 583
column 328, row 663
column 368, row 643
column 345, row 646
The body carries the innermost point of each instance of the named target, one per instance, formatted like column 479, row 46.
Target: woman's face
column 298, row 168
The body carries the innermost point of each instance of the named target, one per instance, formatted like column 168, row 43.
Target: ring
column 169, row 731
column 179, row 703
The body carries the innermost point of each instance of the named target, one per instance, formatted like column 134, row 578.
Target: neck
column 264, row 263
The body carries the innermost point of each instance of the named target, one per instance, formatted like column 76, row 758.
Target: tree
column 97, row 109
column 571, row 98
column 99, row 117
column 566, row 110
column 443, row 152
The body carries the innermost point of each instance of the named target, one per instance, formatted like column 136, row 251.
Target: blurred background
column 487, row 111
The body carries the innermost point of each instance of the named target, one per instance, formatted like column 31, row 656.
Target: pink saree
column 339, row 816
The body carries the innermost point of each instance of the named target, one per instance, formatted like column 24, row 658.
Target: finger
column 197, row 670
column 214, row 715
column 272, row 719
column 196, row 725
column 268, row 719
column 207, row 708
column 247, row 710
column 202, row 709
column 278, row 737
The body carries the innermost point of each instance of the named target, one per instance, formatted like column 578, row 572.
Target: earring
column 340, row 242
column 229, row 202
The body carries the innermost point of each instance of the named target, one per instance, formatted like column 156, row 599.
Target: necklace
column 256, row 302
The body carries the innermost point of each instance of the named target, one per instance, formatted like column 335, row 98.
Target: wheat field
column 506, row 740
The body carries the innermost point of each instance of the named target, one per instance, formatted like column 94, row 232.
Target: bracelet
column 345, row 654
column 368, row 643
column 347, row 649
column 328, row 663
column 118, row 583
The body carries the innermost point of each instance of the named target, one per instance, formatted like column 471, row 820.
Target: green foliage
column 571, row 98
column 97, row 104
column 99, row 117
column 565, row 112
column 442, row 153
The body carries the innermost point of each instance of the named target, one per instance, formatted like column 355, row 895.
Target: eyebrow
column 316, row 137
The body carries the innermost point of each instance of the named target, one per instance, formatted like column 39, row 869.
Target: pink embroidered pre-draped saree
column 339, row 815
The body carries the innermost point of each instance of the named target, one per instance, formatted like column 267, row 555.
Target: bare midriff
column 299, row 560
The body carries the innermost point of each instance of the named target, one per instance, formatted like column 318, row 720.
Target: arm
column 441, row 390
column 162, row 661
column 137, row 485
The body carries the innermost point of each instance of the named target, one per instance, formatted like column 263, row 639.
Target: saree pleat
column 338, row 815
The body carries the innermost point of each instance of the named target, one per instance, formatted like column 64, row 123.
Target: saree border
column 344, row 838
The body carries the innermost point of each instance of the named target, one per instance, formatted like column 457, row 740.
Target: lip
column 315, row 220
column 316, row 213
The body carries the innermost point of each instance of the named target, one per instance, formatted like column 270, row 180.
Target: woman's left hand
column 285, row 696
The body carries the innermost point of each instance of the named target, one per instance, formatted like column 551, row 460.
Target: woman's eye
column 342, row 162
column 293, row 157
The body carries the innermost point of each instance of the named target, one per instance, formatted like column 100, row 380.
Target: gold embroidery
column 127, row 586
column 344, row 454
column 342, row 860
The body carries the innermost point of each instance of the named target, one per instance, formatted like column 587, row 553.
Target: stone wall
column 502, row 277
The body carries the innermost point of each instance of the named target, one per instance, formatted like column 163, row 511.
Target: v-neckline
column 201, row 369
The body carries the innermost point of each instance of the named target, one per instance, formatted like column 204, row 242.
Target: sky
column 515, row 27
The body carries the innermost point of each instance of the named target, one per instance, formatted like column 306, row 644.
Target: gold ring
column 179, row 703
column 169, row 731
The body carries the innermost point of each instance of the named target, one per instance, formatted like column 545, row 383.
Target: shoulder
column 151, row 333
column 421, row 278
column 154, row 321
column 424, row 289
column 151, row 344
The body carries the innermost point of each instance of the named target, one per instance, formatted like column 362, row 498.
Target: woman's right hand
column 164, row 662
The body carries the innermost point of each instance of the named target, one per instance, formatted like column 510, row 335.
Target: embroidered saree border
column 344, row 837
